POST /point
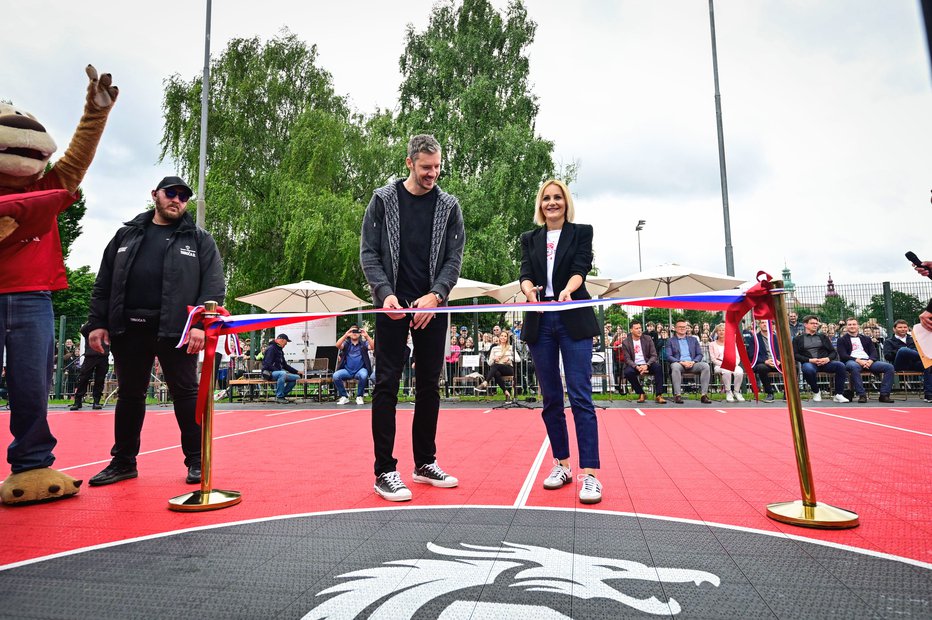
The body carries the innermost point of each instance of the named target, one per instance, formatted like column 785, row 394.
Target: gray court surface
column 459, row 563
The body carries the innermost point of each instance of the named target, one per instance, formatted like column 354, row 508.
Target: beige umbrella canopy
column 466, row 288
column 304, row 296
column 670, row 279
column 511, row 292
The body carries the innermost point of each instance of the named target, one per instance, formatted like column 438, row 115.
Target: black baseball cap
column 173, row 182
column 283, row 337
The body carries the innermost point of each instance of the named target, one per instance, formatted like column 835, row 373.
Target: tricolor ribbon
column 733, row 302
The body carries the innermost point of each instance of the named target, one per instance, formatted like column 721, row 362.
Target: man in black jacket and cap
column 156, row 266
column 275, row 368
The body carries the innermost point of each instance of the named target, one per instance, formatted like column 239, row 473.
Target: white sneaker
column 559, row 476
column 591, row 491
column 390, row 486
column 342, row 400
column 729, row 397
column 839, row 398
column 739, row 397
column 360, row 401
column 432, row 474
column 817, row 397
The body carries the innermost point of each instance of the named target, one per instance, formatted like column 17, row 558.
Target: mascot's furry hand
column 101, row 93
column 38, row 486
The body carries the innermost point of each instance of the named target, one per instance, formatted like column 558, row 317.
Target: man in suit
column 641, row 359
column 767, row 354
column 685, row 355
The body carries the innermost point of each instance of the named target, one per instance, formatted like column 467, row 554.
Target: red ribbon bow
column 758, row 299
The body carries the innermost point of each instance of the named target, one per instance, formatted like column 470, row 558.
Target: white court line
column 896, row 428
column 721, row 411
column 899, row 410
column 640, row 412
column 272, row 415
column 532, row 475
column 254, row 430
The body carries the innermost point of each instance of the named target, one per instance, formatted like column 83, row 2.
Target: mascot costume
column 31, row 266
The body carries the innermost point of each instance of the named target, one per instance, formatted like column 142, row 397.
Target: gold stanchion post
column 806, row 512
column 206, row 498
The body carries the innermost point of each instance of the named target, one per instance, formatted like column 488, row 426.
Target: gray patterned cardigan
column 380, row 242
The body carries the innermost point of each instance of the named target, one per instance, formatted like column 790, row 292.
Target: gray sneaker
column 432, row 474
column 390, row 486
column 559, row 476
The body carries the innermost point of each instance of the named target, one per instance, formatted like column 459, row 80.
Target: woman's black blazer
column 574, row 256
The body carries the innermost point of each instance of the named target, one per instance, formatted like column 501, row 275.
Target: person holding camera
column 354, row 363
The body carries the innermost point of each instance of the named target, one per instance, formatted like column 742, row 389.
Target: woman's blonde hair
column 539, row 218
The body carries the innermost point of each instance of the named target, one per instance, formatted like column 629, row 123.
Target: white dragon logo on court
column 398, row 589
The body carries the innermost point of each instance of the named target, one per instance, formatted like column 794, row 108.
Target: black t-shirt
column 416, row 220
column 144, row 284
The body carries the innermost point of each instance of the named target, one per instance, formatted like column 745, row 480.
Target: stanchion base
column 820, row 516
column 196, row 502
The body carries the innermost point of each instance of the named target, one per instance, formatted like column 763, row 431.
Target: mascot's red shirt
column 31, row 258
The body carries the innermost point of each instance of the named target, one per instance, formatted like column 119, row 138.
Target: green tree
column 74, row 301
column 465, row 80
column 286, row 163
column 905, row 306
column 835, row 308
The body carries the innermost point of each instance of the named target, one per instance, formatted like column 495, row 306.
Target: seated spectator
column 796, row 328
column 275, row 368
column 815, row 352
column 857, row 351
column 501, row 364
column 640, row 359
column 354, row 363
column 685, row 355
column 900, row 350
column 731, row 380
column 767, row 353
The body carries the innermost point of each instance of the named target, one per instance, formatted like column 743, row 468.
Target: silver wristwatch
column 438, row 296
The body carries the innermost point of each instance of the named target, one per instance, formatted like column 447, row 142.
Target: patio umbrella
column 670, row 279
column 511, row 292
column 466, row 288
column 304, row 296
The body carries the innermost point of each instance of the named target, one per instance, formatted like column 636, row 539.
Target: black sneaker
column 432, row 474
column 862, row 398
column 74, row 407
column 194, row 474
column 390, row 486
column 113, row 473
column 768, row 398
column 927, row 397
column 97, row 406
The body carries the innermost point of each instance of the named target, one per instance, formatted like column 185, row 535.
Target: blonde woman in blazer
column 555, row 259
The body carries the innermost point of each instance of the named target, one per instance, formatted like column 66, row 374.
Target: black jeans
column 95, row 366
column 390, row 357
column 133, row 355
column 763, row 372
column 497, row 371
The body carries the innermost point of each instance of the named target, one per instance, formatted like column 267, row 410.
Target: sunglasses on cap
column 171, row 192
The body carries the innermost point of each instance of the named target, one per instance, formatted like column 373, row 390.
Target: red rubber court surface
column 713, row 465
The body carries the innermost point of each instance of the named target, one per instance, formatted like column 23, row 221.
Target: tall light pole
column 638, row 229
column 205, row 91
column 729, row 256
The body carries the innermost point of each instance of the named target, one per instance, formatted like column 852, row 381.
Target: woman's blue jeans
column 552, row 342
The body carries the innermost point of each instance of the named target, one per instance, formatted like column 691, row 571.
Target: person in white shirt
column 731, row 380
column 859, row 354
column 640, row 359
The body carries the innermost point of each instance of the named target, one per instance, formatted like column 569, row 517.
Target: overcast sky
column 826, row 108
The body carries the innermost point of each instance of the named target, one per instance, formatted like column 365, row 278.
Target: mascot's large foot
column 38, row 486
